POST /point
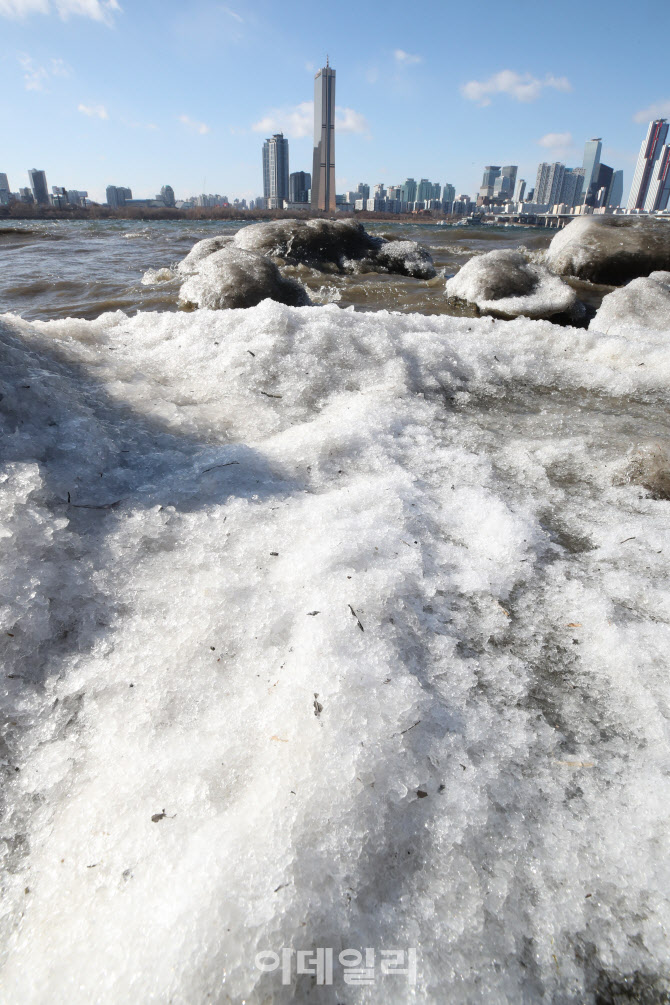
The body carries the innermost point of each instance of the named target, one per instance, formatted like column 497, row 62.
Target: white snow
column 505, row 283
column 643, row 303
column 471, row 490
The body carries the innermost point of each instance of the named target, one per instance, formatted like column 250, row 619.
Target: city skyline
column 80, row 113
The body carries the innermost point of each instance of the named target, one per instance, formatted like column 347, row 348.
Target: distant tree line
column 24, row 211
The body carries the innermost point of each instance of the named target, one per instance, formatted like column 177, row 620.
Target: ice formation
column 332, row 629
column 643, row 303
column 200, row 251
column 505, row 284
column 236, row 278
column 610, row 249
column 335, row 244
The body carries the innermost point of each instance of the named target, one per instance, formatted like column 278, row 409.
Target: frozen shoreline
column 481, row 494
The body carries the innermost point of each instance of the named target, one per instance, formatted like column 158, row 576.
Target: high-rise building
column 571, row 189
column 520, row 190
column 4, row 190
column 424, row 190
column 118, row 196
column 591, row 164
column 167, row 195
column 503, row 186
column 38, row 183
column 379, row 190
column 658, row 193
column 649, row 188
column 323, row 169
column 409, row 190
column 448, row 193
column 616, row 190
column 549, row 183
column 299, row 184
column 275, row 171
column 491, row 172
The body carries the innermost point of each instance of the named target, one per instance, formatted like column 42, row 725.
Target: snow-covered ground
column 333, row 629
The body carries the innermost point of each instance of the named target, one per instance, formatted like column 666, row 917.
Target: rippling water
column 54, row 269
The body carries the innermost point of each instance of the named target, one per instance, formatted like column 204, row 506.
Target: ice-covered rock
column 404, row 258
column 610, row 249
column 325, row 629
column 335, row 244
column 643, row 303
column 203, row 249
column 503, row 283
column 236, row 278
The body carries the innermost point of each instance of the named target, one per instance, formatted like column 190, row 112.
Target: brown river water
column 53, row 269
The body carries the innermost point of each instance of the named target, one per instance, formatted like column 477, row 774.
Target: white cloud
column 36, row 76
column 520, row 86
column 349, row 121
column 97, row 10
column 406, row 58
column 658, row 110
column 556, row 141
column 233, row 14
column 93, row 111
column 297, row 121
column 197, row 127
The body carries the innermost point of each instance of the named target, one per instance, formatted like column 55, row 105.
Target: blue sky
column 149, row 92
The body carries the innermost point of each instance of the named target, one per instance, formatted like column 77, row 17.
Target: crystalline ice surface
column 210, row 519
column 503, row 282
column 643, row 303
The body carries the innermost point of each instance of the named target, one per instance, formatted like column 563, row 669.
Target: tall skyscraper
column 572, row 187
column 520, row 190
column 616, row 190
column 591, row 163
column 503, row 186
column 323, row 170
column 549, row 183
column 409, row 190
column 299, row 184
column 491, row 172
column 4, row 190
column 167, row 195
column 38, row 183
column 275, row 171
column 448, row 193
column 649, row 190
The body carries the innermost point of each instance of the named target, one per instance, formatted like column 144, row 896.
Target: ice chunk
column 236, row 278
column 202, row 250
column 505, row 284
column 610, row 249
column 335, row 244
column 154, row 276
column 643, row 303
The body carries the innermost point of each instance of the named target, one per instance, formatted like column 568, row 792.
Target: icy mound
column 643, row 303
column 610, row 249
column 235, row 278
column 404, row 258
column 331, row 629
column 335, row 244
column 505, row 284
column 202, row 250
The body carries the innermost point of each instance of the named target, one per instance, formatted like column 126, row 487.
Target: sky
column 145, row 93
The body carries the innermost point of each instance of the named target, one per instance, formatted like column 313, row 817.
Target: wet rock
column 504, row 284
column 610, row 249
column 236, row 278
column 343, row 245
